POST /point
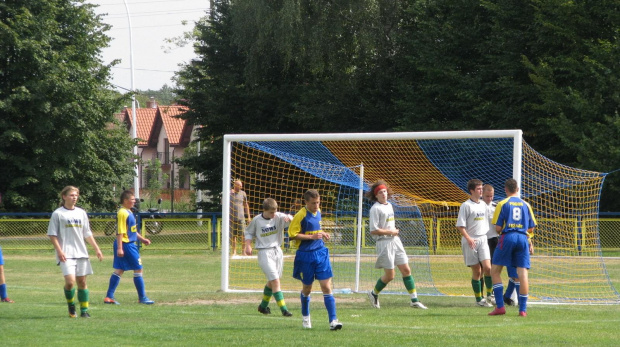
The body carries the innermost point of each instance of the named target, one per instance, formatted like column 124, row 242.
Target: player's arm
column 121, row 222
column 59, row 252
column 248, row 234
column 143, row 239
column 91, row 240
column 246, row 206
column 461, row 226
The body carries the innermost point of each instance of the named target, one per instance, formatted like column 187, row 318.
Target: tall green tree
column 270, row 66
column 56, row 110
column 549, row 67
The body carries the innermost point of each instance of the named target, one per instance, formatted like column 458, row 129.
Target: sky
column 152, row 21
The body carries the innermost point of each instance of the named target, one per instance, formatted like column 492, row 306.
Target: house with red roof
column 161, row 135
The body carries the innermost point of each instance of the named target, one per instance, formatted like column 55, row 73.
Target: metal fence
column 194, row 231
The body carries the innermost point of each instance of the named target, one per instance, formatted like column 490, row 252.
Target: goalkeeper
column 268, row 230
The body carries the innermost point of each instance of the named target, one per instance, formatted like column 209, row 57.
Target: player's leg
column 523, row 290
column 498, row 289
column 488, row 281
column 119, row 266
column 304, row 296
column 521, row 259
column 83, row 269
column 476, row 283
column 409, row 282
column 277, row 264
column 385, row 261
column 323, row 273
column 3, row 292
column 83, row 296
column 68, row 268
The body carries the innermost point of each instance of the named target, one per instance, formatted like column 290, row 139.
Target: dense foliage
column 548, row 67
column 56, row 109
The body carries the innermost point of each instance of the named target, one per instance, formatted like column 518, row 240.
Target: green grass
column 191, row 312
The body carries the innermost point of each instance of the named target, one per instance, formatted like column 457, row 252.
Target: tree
column 287, row 66
column 56, row 110
column 547, row 67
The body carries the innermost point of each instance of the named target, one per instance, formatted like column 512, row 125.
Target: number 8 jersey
column 514, row 214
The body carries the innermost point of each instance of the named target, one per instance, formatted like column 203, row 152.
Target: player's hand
column 472, row 243
column 120, row 253
column 61, row 257
column 146, row 242
column 248, row 250
column 324, row 235
column 395, row 232
column 99, row 255
column 531, row 248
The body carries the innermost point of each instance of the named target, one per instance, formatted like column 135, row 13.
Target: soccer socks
column 70, row 295
column 267, row 297
column 498, row 290
column 379, row 286
column 488, row 282
column 83, row 299
column 410, row 285
column 509, row 288
column 523, row 302
column 3, row 294
column 305, row 305
column 330, row 305
column 138, row 281
column 114, row 281
column 279, row 300
column 475, row 285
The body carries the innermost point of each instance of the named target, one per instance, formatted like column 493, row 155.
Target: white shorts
column 270, row 261
column 77, row 267
column 390, row 253
column 480, row 253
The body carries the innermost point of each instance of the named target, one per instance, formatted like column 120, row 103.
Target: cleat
column 146, row 301
column 7, row 300
column 265, row 310
column 374, row 299
column 498, row 311
column 418, row 304
column 522, row 314
column 490, row 300
column 287, row 314
column 72, row 313
column 335, row 325
column 509, row 302
column 111, row 301
column 307, row 324
column 85, row 315
column 483, row 303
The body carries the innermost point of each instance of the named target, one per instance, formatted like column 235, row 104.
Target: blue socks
column 305, row 305
column 114, row 281
column 330, row 305
column 138, row 281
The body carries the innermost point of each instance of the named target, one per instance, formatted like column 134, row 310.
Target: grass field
column 191, row 312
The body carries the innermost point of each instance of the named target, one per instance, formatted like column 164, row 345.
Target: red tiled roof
column 145, row 117
column 177, row 129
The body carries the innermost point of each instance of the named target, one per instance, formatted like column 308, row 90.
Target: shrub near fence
column 193, row 231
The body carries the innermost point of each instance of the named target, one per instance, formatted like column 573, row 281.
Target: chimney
column 151, row 103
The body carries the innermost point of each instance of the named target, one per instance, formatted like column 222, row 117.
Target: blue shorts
column 1, row 257
column 513, row 249
column 312, row 265
column 130, row 261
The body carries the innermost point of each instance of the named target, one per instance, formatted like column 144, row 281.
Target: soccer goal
column 428, row 173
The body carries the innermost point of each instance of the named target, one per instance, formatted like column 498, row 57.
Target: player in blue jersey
column 515, row 220
column 126, row 253
column 312, row 258
column 3, row 294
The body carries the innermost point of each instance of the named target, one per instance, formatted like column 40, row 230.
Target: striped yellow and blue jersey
column 514, row 214
column 307, row 223
column 127, row 227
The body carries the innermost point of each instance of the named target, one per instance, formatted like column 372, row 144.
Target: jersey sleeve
column 295, row 226
column 461, row 220
column 373, row 219
column 86, row 231
column 532, row 223
column 250, row 230
column 121, row 221
column 52, row 227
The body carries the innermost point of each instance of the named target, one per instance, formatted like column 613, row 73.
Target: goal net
column 428, row 173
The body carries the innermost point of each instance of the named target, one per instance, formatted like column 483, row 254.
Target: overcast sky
column 152, row 21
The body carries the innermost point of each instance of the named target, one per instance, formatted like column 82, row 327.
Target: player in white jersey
column 390, row 250
column 68, row 229
column 473, row 224
column 267, row 229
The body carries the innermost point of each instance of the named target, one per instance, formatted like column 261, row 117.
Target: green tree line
column 548, row 67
